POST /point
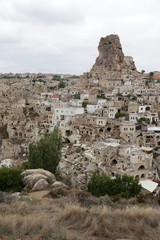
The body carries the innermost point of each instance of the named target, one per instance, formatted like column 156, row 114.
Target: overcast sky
column 61, row 36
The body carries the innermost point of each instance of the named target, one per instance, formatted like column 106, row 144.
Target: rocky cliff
column 111, row 62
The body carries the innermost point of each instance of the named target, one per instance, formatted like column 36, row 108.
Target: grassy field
column 77, row 217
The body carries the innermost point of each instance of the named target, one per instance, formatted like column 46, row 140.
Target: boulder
column 42, row 184
column 38, row 179
column 30, row 180
column 59, row 185
column 50, row 176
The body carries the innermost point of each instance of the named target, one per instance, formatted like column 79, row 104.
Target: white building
column 144, row 108
column 91, row 108
column 67, row 113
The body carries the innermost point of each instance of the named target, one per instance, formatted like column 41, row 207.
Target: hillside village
column 109, row 117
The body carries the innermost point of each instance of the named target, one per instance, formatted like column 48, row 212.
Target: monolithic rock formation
column 111, row 62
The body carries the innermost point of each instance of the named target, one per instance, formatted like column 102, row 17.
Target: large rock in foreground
column 38, row 179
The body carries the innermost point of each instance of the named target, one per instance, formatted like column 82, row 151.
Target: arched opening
column 20, row 134
column 143, row 176
column 141, row 167
column 108, row 129
column 148, row 108
column 68, row 133
column 113, row 163
column 137, row 176
column 100, row 130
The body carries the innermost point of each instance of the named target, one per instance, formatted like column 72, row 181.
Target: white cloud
column 63, row 35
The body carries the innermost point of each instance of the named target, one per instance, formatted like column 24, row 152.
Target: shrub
column 120, row 115
column 84, row 104
column 125, row 186
column 48, row 108
column 76, row 96
column 11, row 179
column 61, row 84
column 143, row 119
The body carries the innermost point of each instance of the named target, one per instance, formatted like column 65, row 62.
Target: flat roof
column 153, row 128
column 146, row 149
column 149, row 185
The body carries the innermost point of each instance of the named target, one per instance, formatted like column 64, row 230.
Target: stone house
column 110, row 83
column 128, row 132
column 112, row 112
column 132, row 107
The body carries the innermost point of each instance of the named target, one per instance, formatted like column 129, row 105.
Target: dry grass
column 104, row 223
column 64, row 219
column 25, row 221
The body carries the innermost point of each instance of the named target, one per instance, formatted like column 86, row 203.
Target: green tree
column 151, row 74
column 76, row 96
column 84, row 104
column 47, row 152
column 48, row 108
column 143, row 71
column 120, row 115
column 143, row 119
column 125, row 186
column 61, row 84
column 11, row 179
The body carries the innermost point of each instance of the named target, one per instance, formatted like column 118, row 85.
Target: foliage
column 47, row 153
column 120, row 115
column 11, row 179
column 143, row 71
column 75, row 76
column 126, row 186
column 143, row 119
column 84, row 104
column 52, row 88
column 128, row 95
column 76, row 96
column 119, row 94
column 56, row 77
column 48, row 108
column 151, row 74
column 61, row 84
column 138, row 127
column 101, row 96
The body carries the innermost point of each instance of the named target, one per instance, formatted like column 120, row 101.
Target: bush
column 120, row 115
column 76, row 96
column 47, row 153
column 125, row 186
column 61, row 84
column 84, row 104
column 143, row 119
column 48, row 108
column 11, row 179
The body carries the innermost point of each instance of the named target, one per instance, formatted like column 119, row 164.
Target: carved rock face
column 110, row 53
column 111, row 62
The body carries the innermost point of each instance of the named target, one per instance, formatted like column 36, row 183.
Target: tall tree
column 47, row 152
